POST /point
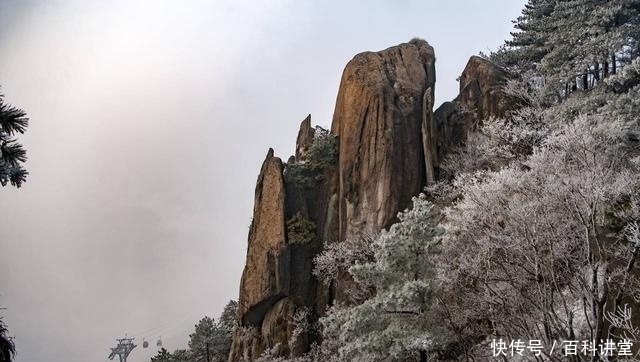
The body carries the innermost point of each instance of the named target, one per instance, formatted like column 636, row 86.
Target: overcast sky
column 149, row 122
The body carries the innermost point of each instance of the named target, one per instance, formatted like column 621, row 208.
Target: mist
column 149, row 121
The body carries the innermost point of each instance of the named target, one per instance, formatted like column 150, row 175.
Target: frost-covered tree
column 392, row 325
column 228, row 317
column 333, row 264
column 572, row 44
column 210, row 338
column 163, row 356
column 529, row 42
column 13, row 121
column 321, row 155
column 539, row 247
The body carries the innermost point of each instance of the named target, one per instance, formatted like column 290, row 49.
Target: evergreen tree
column 162, row 356
column 12, row 154
column 529, row 43
column 228, row 317
column 210, row 338
column 392, row 325
column 572, row 44
column 7, row 348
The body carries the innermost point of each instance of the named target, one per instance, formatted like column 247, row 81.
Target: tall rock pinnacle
column 390, row 144
column 383, row 101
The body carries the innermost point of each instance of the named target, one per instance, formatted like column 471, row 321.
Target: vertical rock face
column 480, row 89
column 378, row 118
column 305, row 138
column 277, row 280
column 390, row 146
column 263, row 279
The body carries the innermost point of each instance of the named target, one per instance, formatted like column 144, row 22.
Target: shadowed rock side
column 378, row 118
column 480, row 98
column 390, row 143
column 278, row 280
column 480, row 89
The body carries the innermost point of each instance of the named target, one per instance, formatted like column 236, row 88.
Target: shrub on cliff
column 322, row 154
column 300, row 230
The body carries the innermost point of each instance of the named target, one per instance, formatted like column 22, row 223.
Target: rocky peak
column 480, row 98
column 390, row 143
column 480, row 88
column 383, row 100
column 305, row 138
column 261, row 281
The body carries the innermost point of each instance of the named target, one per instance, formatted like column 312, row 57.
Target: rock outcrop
column 390, row 144
column 264, row 280
column 305, row 138
column 480, row 89
column 481, row 98
column 379, row 119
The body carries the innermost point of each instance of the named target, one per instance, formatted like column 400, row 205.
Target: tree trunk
column 613, row 63
column 585, row 80
column 423, row 356
column 621, row 292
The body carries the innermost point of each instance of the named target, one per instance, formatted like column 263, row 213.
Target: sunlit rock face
column 263, row 278
column 383, row 100
column 390, row 145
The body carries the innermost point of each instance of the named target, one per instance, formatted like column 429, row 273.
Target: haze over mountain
column 149, row 122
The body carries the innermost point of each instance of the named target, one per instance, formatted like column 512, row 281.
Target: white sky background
column 149, row 122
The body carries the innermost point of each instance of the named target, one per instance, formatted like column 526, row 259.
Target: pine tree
column 7, row 348
column 12, row 154
column 162, row 356
column 529, row 43
column 392, row 324
column 210, row 337
column 228, row 316
column 572, row 44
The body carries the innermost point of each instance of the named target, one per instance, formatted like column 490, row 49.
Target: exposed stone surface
column 480, row 91
column 305, row 138
column 391, row 144
column 278, row 277
column 278, row 327
column 378, row 119
column 262, row 280
column 480, row 98
column 452, row 124
column 246, row 344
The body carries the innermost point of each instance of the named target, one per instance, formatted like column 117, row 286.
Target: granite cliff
column 389, row 143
